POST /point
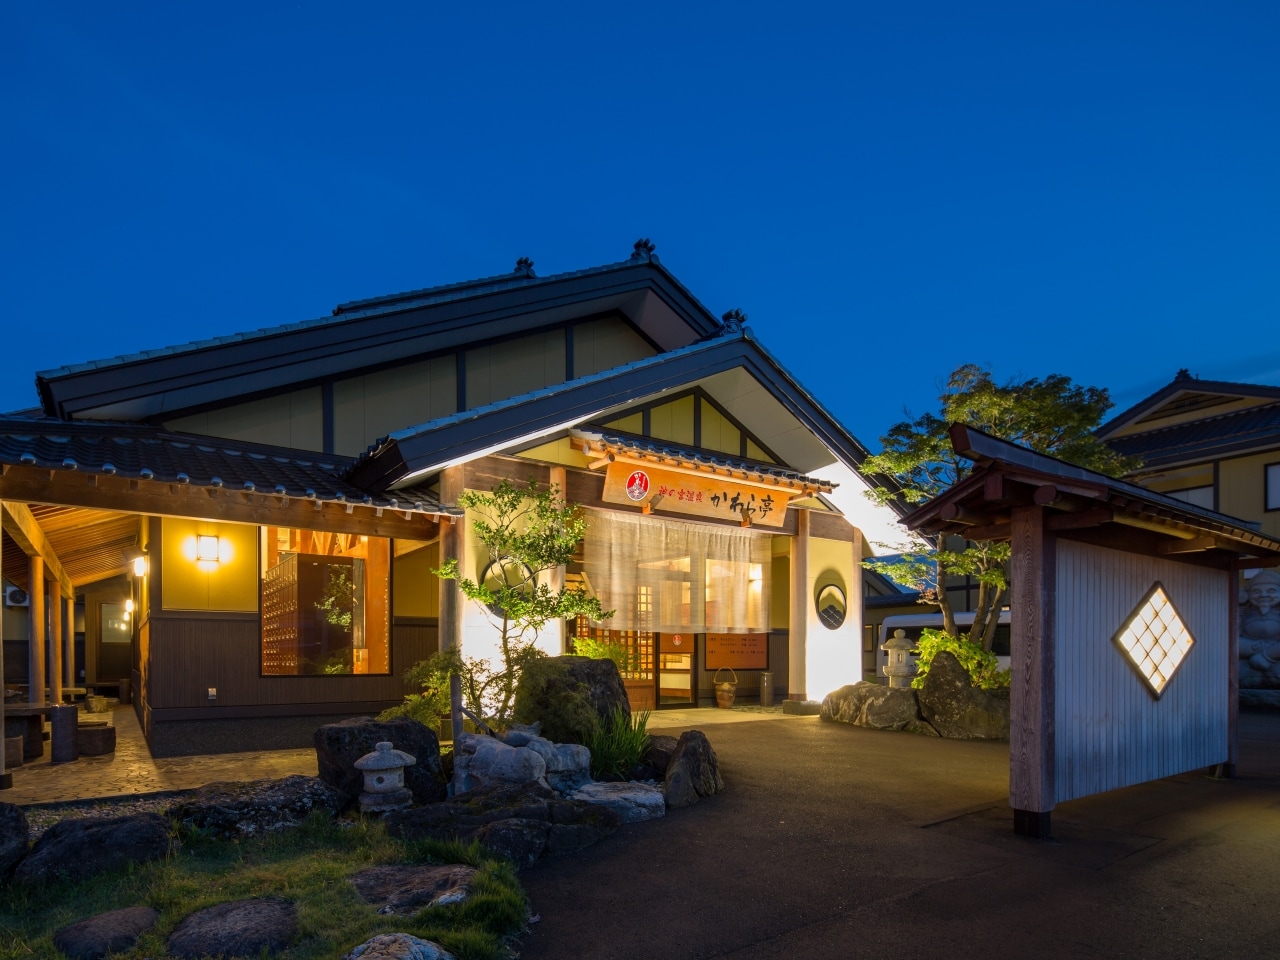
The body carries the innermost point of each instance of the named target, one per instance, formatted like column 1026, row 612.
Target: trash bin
column 125, row 684
column 766, row 689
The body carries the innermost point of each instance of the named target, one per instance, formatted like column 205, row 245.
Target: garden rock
column 632, row 802
column 570, row 696
column 486, row 762
column 693, row 771
column 522, row 822
column 398, row 946
column 13, row 837
column 568, row 764
column 229, row 809
column 872, row 705
column 519, row 734
column 78, row 849
column 405, row 890
column 340, row 745
column 658, row 753
column 241, row 928
column 953, row 706
column 112, row 932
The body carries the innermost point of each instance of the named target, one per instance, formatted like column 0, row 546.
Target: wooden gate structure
column 1124, row 622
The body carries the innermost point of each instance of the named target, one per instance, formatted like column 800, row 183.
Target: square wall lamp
column 207, row 549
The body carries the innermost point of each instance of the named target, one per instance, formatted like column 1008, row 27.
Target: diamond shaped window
column 1155, row 639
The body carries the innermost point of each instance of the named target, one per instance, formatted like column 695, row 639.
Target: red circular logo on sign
column 676, row 641
column 638, row 485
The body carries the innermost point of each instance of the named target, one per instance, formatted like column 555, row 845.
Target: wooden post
column 1032, row 661
column 453, row 536
column 69, row 641
column 36, row 612
column 800, row 603
column 54, row 644
column 556, row 575
column 1233, row 673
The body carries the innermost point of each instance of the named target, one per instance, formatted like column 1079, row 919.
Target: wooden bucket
column 726, row 690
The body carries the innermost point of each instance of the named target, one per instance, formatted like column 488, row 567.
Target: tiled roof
column 1190, row 384
column 649, row 447
column 1202, row 439
column 148, row 453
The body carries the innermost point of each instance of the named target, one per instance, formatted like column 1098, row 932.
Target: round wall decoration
column 638, row 485
column 831, row 605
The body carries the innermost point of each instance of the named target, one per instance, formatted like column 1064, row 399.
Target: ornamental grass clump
column 617, row 745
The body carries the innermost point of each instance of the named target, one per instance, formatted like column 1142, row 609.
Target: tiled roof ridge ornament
column 524, row 267
column 643, row 250
column 733, row 321
column 1184, row 374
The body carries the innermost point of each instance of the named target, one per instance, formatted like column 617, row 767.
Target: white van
column 913, row 623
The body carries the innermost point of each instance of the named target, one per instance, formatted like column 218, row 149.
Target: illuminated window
column 1155, row 639
column 325, row 603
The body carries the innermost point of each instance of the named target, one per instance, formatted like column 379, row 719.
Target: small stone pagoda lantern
column 899, row 666
column 384, row 787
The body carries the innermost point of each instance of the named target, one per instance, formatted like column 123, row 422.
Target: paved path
column 131, row 770
column 833, row 842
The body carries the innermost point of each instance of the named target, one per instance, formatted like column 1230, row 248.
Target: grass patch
column 308, row 865
column 617, row 744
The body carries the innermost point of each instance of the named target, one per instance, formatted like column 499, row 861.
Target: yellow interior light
column 139, row 566
column 207, row 549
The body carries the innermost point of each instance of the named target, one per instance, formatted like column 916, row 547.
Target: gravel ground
column 40, row 817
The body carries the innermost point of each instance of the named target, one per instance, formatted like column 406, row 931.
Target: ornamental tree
column 1052, row 416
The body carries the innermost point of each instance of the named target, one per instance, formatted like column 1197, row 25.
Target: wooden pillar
column 556, row 575
column 452, row 547
column 800, row 604
column 1233, row 673
column 36, row 612
column 69, row 642
column 53, row 644
column 1033, row 650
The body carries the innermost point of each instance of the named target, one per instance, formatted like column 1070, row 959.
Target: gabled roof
column 145, row 452
column 366, row 334
column 425, row 449
column 1257, row 428
column 1184, row 383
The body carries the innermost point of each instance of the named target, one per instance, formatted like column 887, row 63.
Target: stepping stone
column 241, row 928
column 405, row 890
column 96, row 740
column 398, row 946
column 75, row 850
column 111, row 932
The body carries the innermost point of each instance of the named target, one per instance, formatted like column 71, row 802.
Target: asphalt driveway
column 836, row 842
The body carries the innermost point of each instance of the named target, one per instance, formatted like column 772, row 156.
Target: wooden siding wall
column 1110, row 731
column 190, row 655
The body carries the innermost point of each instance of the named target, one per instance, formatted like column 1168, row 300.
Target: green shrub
column 984, row 668
column 618, row 744
column 599, row 649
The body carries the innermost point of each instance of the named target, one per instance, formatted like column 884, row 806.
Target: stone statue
column 1260, row 632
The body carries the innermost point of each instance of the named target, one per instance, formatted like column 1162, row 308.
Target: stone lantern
column 899, row 666
column 384, row 787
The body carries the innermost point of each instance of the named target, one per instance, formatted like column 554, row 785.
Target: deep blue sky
column 888, row 190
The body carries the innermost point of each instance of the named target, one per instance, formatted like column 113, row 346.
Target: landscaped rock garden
column 947, row 705
column 514, row 799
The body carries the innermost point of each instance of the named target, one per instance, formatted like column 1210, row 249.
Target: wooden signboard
column 738, row 651
column 700, row 495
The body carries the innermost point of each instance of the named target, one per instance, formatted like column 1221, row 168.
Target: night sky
column 887, row 190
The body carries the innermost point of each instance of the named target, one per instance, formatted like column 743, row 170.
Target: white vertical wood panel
column 1111, row 731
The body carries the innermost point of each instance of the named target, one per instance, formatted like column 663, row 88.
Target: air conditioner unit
column 16, row 597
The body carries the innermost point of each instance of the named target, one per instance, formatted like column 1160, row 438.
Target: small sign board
column 697, row 494
column 737, row 651
column 682, row 642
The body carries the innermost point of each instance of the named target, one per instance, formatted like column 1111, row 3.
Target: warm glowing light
column 139, row 566
column 1155, row 639
column 128, row 605
column 207, row 549
column 756, row 573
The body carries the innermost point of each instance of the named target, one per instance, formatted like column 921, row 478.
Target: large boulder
column 568, row 764
column 13, row 837
column 631, row 801
column 78, row 849
column 570, row 696
column 398, row 946
column 340, row 745
column 480, row 762
column 952, row 705
column 693, row 771
column 112, row 932
column 522, row 822
column 241, row 928
column 872, row 705
column 236, row 809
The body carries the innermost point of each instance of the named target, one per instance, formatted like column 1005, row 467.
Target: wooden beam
column 158, row 499
column 1077, row 521
column 996, row 531
column 1141, row 523
column 1046, row 494
column 993, row 487
column 1033, row 649
column 22, row 526
column 1188, row 546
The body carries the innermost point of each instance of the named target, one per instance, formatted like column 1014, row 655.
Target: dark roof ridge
column 1188, row 384
column 1169, row 428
